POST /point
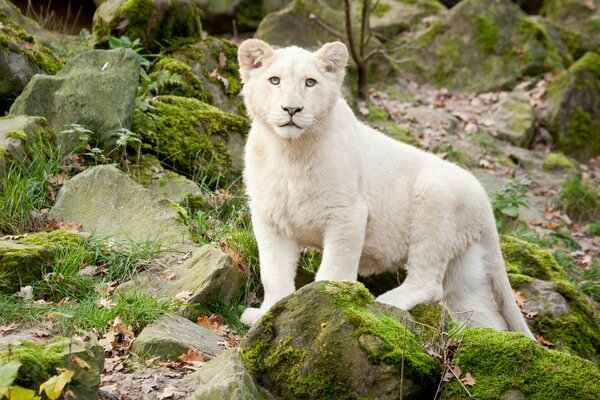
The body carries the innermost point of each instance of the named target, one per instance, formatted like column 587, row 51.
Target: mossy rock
column 529, row 259
column 578, row 21
column 573, row 109
column 209, row 71
column 17, row 132
column 40, row 362
column 481, row 45
column 22, row 260
column 194, row 137
column 157, row 23
column 330, row 340
column 391, row 17
column 21, row 56
column 507, row 365
column 558, row 162
column 515, row 120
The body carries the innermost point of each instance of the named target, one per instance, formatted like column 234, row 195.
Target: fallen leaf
column 170, row 392
column 215, row 323
column 468, row 380
column 192, row 355
column 167, row 274
column 222, row 60
column 58, row 223
column 26, row 293
column 9, row 328
column 543, row 341
column 519, row 299
column 453, row 371
column 79, row 363
column 184, row 257
column 54, row 386
column 183, row 296
column 107, row 303
column 59, row 179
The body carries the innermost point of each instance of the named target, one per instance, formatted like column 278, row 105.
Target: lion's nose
column 292, row 110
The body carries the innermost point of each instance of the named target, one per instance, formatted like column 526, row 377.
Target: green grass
column 486, row 142
column 24, row 188
column 580, row 200
column 590, row 284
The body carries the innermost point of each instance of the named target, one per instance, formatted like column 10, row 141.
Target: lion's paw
column 251, row 315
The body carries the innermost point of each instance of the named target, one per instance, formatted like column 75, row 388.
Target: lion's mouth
column 290, row 123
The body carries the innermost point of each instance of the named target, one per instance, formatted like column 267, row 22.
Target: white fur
column 370, row 203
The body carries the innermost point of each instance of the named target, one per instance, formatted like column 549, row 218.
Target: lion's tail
column 501, row 288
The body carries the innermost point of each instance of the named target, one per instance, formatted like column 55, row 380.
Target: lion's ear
column 251, row 55
column 335, row 58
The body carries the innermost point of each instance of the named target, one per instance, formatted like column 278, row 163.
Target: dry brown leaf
column 183, row 296
column 235, row 255
column 79, row 363
column 543, row 341
column 453, row 371
column 184, row 257
column 58, row 223
column 13, row 326
column 170, row 392
column 59, row 179
column 41, row 333
column 519, row 299
column 468, row 380
column 167, row 274
column 215, row 323
column 107, row 303
column 192, row 355
column 26, row 293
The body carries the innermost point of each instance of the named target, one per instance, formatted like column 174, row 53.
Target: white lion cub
column 318, row 177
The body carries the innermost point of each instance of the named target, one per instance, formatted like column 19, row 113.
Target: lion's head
column 291, row 90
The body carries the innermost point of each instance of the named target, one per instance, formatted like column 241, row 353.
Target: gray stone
column 171, row 336
column 15, row 72
column 175, row 188
column 391, row 17
column 96, row 89
column 108, row 203
column 15, row 131
column 515, row 120
column 328, row 339
column 207, row 274
column 542, row 298
column 225, row 377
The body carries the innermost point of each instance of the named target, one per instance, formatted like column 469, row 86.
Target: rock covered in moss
column 22, row 260
column 207, row 70
column 577, row 20
column 480, row 45
column 21, row 55
column 573, row 108
column 108, row 203
column 329, row 339
column 509, row 365
column 155, row 22
column 529, row 259
column 171, row 336
column 558, row 162
column 195, row 137
column 515, row 120
column 96, row 89
column 17, row 131
column 39, row 363
column 207, row 274
column 225, row 377
column 392, row 17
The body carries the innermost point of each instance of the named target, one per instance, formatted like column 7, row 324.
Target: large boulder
column 96, row 89
column 208, row 71
column 577, row 21
column 155, row 22
column 38, row 363
column 330, row 339
column 225, row 377
column 481, row 45
column 22, row 260
column 204, row 274
column 21, row 55
column 392, row 17
column 194, row 137
column 507, row 365
column 170, row 336
column 106, row 202
column 573, row 108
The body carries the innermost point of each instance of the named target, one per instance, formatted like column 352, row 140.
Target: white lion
column 317, row 177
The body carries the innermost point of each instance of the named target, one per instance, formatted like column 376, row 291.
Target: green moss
column 447, row 53
column 578, row 331
column 18, row 135
column 53, row 240
column 182, row 137
column 21, row 265
column 17, row 40
column 224, row 49
column 3, row 152
column 529, row 259
column 344, row 295
column 38, row 362
column 505, row 361
column 380, row 9
column 557, row 161
column 487, row 32
column 427, row 37
column 538, row 47
column 187, row 85
column 517, row 280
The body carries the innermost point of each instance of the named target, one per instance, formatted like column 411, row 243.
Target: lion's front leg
column 343, row 245
column 278, row 258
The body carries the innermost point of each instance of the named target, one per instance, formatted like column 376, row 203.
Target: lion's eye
column 274, row 80
column 310, row 82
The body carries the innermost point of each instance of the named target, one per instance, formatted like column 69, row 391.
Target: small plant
column 580, row 199
column 508, row 200
column 590, row 284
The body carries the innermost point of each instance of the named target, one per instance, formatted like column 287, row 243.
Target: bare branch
column 349, row 36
